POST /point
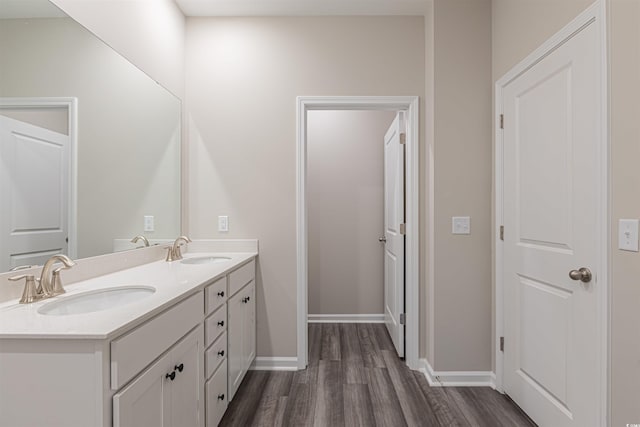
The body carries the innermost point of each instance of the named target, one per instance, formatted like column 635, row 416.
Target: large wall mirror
column 89, row 144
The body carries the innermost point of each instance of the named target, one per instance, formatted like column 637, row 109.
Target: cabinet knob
column 221, row 293
column 171, row 376
column 221, row 396
column 221, row 323
column 245, row 300
column 221, row 353
column 179, row 367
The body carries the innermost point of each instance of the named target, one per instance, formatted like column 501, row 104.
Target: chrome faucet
column 141, row 237
column 173, row 252
column 50, row 284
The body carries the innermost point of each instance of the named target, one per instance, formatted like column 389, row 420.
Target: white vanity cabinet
column 242, row 324
column 168, row 393
column 178, row 365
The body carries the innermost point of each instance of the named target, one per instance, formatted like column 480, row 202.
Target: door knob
column 382, row 239
column 583, row 274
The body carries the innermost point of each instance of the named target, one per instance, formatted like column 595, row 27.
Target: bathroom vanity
column 170, row 349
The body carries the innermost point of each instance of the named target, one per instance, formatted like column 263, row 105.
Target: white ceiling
column 12, row 9
column 301, row 7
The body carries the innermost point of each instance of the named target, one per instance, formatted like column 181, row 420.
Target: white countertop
column 173, row 281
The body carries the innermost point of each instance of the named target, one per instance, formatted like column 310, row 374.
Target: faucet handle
column 56, row 282
column 29, row 294
column 169, row 257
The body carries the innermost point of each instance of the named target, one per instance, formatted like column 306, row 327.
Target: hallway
column 354, row 378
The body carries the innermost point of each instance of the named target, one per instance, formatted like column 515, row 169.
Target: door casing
column 409, row 104
column 595, row 14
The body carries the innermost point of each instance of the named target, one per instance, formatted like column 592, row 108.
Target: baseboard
column 457, row 378
column 345, row 318
column 275, row 364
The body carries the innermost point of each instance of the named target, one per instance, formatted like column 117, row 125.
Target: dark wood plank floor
column 355, row 378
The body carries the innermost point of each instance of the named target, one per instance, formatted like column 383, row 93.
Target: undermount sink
column 98, row 300
column 205, row 259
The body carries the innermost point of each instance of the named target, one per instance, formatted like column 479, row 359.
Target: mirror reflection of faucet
column 49, row 284
column 144, row 240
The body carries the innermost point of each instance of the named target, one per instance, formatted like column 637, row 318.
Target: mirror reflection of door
column 34, row 189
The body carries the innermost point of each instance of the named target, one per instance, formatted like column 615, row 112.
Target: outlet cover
column 223, row 223
column 628, row 235
column 149, row 223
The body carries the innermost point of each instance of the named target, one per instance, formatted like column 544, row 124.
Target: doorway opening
column 408, row 107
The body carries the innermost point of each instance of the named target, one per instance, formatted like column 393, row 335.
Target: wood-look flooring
column 355, row 378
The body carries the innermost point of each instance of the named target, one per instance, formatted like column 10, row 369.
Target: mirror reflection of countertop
column 173, row 282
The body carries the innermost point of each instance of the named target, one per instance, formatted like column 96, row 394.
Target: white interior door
column 551, row 213
column 34, row 189
column 394, row 233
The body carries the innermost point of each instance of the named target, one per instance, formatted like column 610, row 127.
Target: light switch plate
column 628, row 234
column 223, row 223
column 461, row 225
column 148, row 223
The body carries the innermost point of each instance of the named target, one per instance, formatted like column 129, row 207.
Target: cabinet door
column 166, row 394
column 145, row 402
column 249, row 327
column 235, row 312
column 186, row 390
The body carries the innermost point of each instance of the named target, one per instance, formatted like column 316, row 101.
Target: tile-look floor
column 355, row 378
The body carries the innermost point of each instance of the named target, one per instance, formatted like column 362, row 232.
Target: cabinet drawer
column 215, row 325
column 138, row 348
column 216, row 396
column 216, row 294
column 215, row 354
column 242, row 276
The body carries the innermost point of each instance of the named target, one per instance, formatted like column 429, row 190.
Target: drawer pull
column 221, row 293
column 171, row 376
column 180, row 367
column 221, row 396
column 221, row 353
column 221, row 323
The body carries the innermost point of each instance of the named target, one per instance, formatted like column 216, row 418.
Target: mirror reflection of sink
column 98, row 300
column 205, row 259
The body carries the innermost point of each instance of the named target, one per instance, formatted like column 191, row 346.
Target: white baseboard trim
column 345, row 318
column 274, row 364
column 457, row 378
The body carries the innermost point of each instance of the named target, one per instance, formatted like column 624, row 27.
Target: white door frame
column 71, row 104
column 410, row 104
column 595, row 15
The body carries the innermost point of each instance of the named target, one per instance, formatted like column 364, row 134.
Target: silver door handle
column 382, row 239
column 583, row 274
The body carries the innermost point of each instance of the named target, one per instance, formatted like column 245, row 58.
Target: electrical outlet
column 460, row 225
column 148, row 223
column 223, row 223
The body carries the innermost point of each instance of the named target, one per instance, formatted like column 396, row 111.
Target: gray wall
column 461, row 150
column 625, row 184
column 345, row 173
column 243, row 76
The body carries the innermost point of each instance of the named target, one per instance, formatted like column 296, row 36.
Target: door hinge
column 502, row 232
column 501, row 121
column 403, row 228
column 502, row 344
column 403, row 319
column 403, row 138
